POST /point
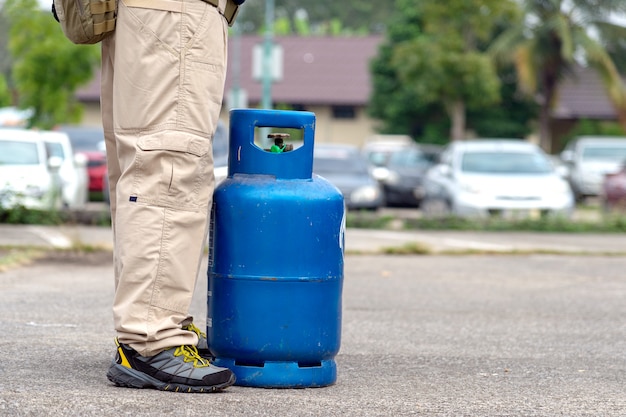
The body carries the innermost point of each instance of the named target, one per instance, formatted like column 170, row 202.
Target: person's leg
column 167, row 85
column 106, row 106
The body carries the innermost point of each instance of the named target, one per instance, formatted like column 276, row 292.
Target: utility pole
column 236, row 93
column 267, row 54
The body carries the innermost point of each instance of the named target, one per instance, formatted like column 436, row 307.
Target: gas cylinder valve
column 279, row 145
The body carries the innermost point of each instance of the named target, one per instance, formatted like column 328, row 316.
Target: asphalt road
column 441, row 335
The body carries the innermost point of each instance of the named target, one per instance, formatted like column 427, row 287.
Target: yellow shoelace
column 193, row 328
column 190, row 354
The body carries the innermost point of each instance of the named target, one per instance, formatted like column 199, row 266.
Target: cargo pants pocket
column 173, row 170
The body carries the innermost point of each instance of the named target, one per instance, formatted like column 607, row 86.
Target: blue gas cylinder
column 275, row 260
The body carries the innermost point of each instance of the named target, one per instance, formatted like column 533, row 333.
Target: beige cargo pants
column 163, row 77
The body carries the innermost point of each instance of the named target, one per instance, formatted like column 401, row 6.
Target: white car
column 220, row 152
column 589, row 159
column 27, row 175
column 508, row 178
column 73, row 171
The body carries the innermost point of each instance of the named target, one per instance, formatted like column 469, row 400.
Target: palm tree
column 555, row 37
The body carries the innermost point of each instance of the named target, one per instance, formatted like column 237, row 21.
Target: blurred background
column 397, row 82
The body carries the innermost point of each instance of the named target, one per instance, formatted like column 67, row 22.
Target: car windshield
column 409, row 159
column 55, row 149
column 505, row 163
column 378, row 158
column 339, row 161
column 18, row 153
column 604, row 153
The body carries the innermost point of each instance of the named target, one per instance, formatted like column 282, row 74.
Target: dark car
column 613, row 194
column 401, row 177
column 345, row 167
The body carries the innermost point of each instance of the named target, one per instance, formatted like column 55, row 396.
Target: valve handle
column 244, row 157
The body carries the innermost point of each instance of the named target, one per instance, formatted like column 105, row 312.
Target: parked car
column 346, row 168
column 589, row 159
column 220, row 152
column 509, row 178
column 613, row 195
column 73, row 169
column 401, row 177
column 379, row 149
column 89, row 141
column 96, row 169
column 28, row 177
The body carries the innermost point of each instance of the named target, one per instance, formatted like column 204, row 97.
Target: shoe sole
column 130, row 378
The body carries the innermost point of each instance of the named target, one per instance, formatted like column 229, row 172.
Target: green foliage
column 545, row 53
column 408, row 249
column 435, row 73
column 395, row 106
column 22, row 215
column 5, row 94
column 367, row 220
column 5, row 59
column 548, row 224
column 614, row 42
column 320, row 17
column 47, row 68
column 511, row 118
column 282, row 26
column 433, row 57
column 445, row 64
column 301, row 25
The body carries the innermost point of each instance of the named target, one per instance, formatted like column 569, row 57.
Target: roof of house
column 316, row 70
column 582, row 95
column 335, row 71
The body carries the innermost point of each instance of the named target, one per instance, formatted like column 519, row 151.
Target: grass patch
column 22, row 215
column 412, row 248
column 525, row 252
column 368, row 220
column 16, row 256
column 606, row 224
column 13, row 257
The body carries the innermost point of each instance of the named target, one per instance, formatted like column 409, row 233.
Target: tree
column 393, row 104
column 5, row 96
column 5, row 62
column 323, row 16
column 47, row 68
column 551, row 41
column 399, row 110
column 512, row 118
column 434, row 52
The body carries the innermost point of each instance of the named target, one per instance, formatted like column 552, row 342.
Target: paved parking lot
column 466, row 335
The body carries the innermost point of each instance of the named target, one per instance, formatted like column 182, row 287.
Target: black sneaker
column 179, row 369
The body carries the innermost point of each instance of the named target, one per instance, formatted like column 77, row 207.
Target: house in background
column 581, row 96
column 330, row 76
